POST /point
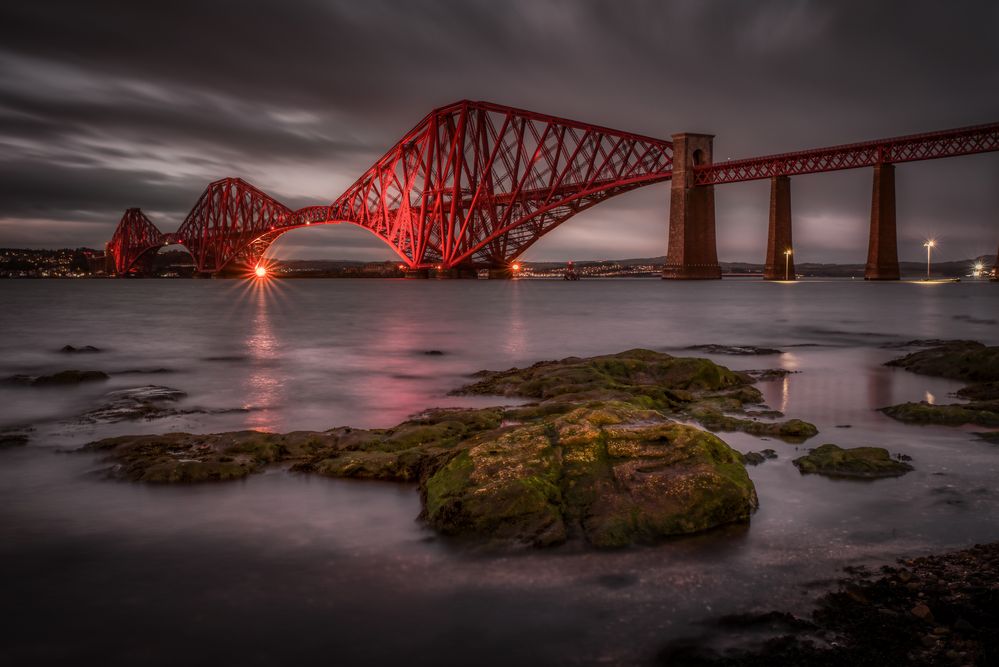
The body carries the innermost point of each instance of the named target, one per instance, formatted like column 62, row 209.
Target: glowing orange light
column 515, row 267
column 260, row 271
column 402, row 267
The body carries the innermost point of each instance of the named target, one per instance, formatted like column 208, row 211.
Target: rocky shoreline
column 935, row 610
column 600, row 456
column 604, row 453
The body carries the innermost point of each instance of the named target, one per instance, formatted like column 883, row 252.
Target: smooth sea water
column 294, row 569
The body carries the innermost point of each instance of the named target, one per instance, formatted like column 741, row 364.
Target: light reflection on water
column 265, row 388
column 313, row 568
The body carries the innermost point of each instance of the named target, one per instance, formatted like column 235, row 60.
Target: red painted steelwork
column 134, row 237
column 928, row 146
column 473, row 184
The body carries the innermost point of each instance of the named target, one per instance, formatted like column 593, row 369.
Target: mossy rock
column 651, row 378
column 981, row 391
column 958, row 360
column 613, row 474
column 857, row 462
column 756, row 458
column 982, row 413
column 792, row 430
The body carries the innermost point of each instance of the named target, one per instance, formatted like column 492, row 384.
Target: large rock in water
column 596, row 457
column 614, row 473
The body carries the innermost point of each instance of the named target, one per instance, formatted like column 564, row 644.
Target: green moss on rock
column 984, row 413
column 792, row 430
column 596, row 458
column 858, row 462
column 958, row 360
column 614, row 474
column 664, row 381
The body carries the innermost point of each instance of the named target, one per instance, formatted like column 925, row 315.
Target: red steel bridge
column 475, row 184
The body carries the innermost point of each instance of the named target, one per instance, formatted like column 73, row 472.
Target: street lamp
column 929, row 245
column 787, row 263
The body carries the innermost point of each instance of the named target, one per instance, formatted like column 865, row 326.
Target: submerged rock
column 765, row 374
column 69, row 349
column 984, row 413
column 148, row 402
column 756, row 458
column 792, row 430
column 959, row 360
column 858, row 462
column 57, row 379
column 981, row 391
column 740, row 350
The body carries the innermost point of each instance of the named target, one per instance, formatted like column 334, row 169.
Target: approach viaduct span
column 475, row 184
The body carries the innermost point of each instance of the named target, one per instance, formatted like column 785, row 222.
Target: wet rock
column 766, row 414
column 69, row 349
column 981, row 413
column 792, row 430
column 958, row 360
column 981, row 391
column 185, row 458
column 145, row 371
column 756, row 458
column 62, row 378
column 857, row 462
column 136, row 403
column 925, row 342
column 739, row 350
column 766, row 374
column 611, row 473
column 874, row 621
column 615, row 474
column 651, row 379
column 922, row 612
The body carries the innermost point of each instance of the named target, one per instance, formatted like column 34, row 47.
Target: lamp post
column 787, row 263
column 929, row 245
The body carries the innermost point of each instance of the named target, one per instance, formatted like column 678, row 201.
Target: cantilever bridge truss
column 475, row 184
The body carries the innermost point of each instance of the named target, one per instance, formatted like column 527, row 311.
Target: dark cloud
column 106, row 105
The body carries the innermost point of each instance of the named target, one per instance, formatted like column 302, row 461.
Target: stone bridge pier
column 691, row 253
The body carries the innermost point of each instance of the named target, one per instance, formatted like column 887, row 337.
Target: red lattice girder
column 475, row 184
column 932, row 145
column 133, row 238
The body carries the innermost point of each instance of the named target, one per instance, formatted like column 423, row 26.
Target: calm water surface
column 290, row 569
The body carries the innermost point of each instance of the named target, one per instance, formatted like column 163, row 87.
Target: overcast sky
column 110, row 105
